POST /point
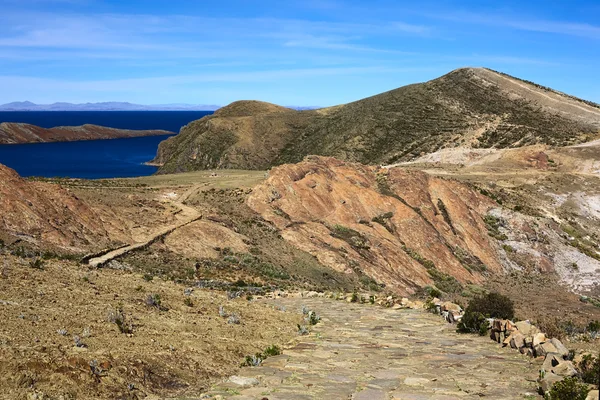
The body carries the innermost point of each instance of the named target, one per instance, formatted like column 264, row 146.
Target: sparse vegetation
column 569, row 388
column 258, row 358
column 350, row 236
column 493, row 225
column 491, row 305
column 383, row 219
column 117, row 316
column 37, row 263
column 153, row 300
column 589, row 367
column 234, row 319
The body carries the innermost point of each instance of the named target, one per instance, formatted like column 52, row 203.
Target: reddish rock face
column 397, row 226
column 46, row 213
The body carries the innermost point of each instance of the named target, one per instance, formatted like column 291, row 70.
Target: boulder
column 593, row 395
column 449, row 306
column 498, row 325
column 562, row 350
column 539, row 351
column 538, row 338
column 526, row 328
column 517, row 340
column 418, row 304
column 529, row 341
column 557, row 365
column 549, row 348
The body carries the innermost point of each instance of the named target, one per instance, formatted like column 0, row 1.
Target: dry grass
column 169, row 352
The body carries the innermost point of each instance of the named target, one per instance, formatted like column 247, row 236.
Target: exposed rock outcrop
column 404, row 229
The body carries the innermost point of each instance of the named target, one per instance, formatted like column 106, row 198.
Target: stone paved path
column 365, row 352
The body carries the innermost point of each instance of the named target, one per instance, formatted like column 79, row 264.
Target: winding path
column 189, row 215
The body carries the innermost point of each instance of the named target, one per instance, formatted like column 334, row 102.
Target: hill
column 45, row 214
column 14, row 133
column 470, row 107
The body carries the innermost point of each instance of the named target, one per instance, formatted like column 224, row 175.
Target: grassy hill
column 473, row 107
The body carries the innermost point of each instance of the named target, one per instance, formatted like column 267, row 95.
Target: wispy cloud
column 524, row 24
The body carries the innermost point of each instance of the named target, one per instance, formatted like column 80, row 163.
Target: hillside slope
column 473, row 107
column 44, row 213
column 404, row 229
column 13, row 133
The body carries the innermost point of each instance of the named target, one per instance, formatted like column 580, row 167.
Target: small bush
column 252, row 361
column 473, row 322
column 593, row 326
column 272, row 350
column 354, row 298
column 234, row 319
column 148, row 277
column 590, row 369
column 432, row 291
column 302, row 330
column 313, row 318
column 491, row 305
column 258, row 358
column 38, row 263
column 117, row 317
column 568, row 389
column 154, row 300
column 188, row 302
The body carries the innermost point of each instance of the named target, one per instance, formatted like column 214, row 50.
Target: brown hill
column 473, row 107
column 12, row 133
column 47, row 214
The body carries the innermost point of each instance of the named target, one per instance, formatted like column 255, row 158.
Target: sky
column 294, row 53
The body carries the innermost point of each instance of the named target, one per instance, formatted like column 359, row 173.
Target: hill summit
column 469, row 107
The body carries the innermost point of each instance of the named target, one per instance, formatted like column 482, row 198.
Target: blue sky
column 307, row 52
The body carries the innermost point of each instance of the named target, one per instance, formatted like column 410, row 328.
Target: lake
column 92, row 159
column 167, row 120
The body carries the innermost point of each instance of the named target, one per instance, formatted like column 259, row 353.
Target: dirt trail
column 363, row 352
column 186, row 216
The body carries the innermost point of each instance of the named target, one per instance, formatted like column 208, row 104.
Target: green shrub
column 38, row 263
column 473, row 322
column 491, row 305
column 493, row 224
column 568, row 389
column 432, row 291
column 272, row 350
column 590, row 369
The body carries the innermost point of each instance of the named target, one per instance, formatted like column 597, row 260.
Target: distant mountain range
column 106, row 106
column 114, row 106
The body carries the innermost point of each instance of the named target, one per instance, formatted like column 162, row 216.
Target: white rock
column 243, row 381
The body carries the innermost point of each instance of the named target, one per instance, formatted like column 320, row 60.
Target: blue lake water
column 167, row 120
column 92, row 159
